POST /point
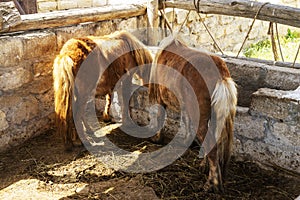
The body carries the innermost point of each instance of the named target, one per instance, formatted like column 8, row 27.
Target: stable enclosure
column 267, row 124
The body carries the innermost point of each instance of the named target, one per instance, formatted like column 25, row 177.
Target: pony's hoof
column 204, row 168
column 68, row 147
column 157, row 139
column 77, row 143
column 107, row 120
column 212, row 188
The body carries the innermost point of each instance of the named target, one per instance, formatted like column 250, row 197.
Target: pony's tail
column 63, row 87
column 224, row 100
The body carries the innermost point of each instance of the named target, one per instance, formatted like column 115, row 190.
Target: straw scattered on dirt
column 40, row 169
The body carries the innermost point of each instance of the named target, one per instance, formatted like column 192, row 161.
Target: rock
column 15, row 79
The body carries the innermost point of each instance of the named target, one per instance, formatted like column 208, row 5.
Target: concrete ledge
column 250, row 76
column 280, row 105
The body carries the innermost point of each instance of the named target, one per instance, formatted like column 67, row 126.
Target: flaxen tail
column 63, row 87
column 224, row 100
column 65, row 67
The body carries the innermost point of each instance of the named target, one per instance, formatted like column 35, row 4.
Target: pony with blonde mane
column 109, row 58
column 216, row 99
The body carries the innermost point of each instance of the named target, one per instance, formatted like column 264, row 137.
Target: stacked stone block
column 269, row 131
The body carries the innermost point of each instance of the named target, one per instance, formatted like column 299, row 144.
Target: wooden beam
column 243, row 8
column 76, row 16
column 153, row 21
column 9, row 15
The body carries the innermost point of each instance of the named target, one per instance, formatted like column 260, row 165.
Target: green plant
column 263, row 49
column 257, row 47
column 291, row 35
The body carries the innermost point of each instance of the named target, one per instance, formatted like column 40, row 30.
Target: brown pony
column 109, row 57
column 215, row 95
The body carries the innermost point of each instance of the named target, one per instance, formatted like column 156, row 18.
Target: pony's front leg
column 106, row 116
column 159, row 123
column 125, row 94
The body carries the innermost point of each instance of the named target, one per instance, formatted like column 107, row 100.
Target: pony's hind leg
column 82, row 126
column 214, row 182
column 106, row 116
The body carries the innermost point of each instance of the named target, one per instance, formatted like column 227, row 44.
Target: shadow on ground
column 40, row 169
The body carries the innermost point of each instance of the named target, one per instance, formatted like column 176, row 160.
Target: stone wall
column 52, row 5
column 269, row 132
column 26, row 93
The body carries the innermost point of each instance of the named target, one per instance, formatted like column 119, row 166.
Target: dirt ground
column 41, row 169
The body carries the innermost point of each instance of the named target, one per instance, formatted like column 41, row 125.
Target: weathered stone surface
column 64, row 5
column 41, row 85
column 13, row 53
column 250, row 76
column 18, row 134
column 84, row 4
column 286, row 134
column 97, row 29
column 97, row 3
column 9, row 101
column 14, row 79
column 274, row 104
column 47, row 6
column 247, row 126
column 127, row 24
column 44, row 68
column 46, row 103
column 282, row 78
column 286, row 157
column 26, row 110
column 65, row 33
column 104, row 28
column 3, row 123
column 4, row 140
column 38, row 44
column 140, row 117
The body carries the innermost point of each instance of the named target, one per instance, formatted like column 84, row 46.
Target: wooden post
column 29, row 6
column 153, row 22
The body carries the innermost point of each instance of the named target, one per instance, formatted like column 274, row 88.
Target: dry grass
column 40, row 169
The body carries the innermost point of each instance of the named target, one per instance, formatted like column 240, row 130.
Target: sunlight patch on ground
column 107, row 129
column 36, row 189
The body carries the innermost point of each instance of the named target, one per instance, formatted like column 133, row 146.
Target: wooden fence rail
column 75, row 16
column 243, row 8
